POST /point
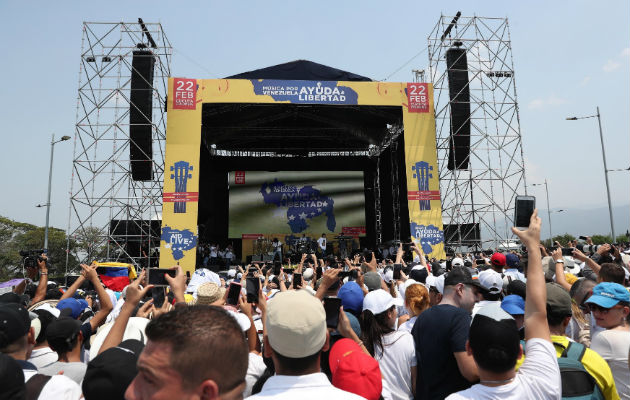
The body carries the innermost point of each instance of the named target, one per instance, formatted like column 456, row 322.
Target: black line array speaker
column 459, row 93
column 140, row 115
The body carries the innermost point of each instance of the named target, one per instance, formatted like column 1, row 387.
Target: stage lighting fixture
column 106, row 59
column 90, row 59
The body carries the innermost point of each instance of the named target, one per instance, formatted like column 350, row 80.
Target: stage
column 368, row 147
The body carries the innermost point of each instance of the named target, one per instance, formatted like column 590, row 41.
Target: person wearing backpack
column 584, row 373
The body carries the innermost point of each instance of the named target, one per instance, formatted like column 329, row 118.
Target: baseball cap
column 493, row 334
column 354, row 371
column 296, row 324
column 12, row 378
column 558, row 300
column 307, row 274
column 62, row 330
column 419, row 274
column 46, row 306
column 516, row 287
column 209, row 292
column 461, row 275
column 379, row 301
column 372, row 280
column 109, row 374
column 457, row 262
column 512, row 260
column 388, row 275
column 76, row 308
column 11, row 297
column 498, row 260
column 15, row 322
column 513, row 304
column 491, row 280
column 351, row 297
column 609, row 294
column 242, row 319
column 571, row 266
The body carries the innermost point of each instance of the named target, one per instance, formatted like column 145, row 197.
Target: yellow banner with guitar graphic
column 183, row 142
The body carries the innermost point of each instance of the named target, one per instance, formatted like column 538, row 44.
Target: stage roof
column 301, row 70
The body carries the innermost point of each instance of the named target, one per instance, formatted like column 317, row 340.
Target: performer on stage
column 321, row 243
column 277, row 249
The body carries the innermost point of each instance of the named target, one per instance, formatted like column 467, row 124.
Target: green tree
column 91, row 244
column 601, row 239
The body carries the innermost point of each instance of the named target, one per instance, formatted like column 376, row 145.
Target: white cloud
column 625, row 52
column 585, row 81
column 550, row 101
column 610, row 66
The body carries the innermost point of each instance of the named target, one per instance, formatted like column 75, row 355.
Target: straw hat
column 208, row 293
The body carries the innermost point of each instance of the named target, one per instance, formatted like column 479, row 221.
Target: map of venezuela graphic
column 302, row 204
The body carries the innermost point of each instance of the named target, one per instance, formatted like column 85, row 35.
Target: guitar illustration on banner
column 422, row 174
column 181, row 173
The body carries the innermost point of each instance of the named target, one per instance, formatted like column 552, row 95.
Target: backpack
column 577, row 383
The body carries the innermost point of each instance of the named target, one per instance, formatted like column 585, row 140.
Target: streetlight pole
column 601, row 138
column 548, row 208
column 52, row 153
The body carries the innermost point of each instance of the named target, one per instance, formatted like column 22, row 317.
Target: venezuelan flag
column 115, row 276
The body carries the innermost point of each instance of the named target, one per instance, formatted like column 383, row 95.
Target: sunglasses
column 602, row 310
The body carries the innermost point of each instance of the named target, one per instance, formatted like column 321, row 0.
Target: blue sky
column 569, row 57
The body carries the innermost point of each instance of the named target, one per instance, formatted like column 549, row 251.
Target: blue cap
column 351, row 297
column 608, row 294
column 512, row 260
column 513, row 304
column 76, row 308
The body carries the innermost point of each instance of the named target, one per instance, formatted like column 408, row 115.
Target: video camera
column 30, row 258
column 592, row 248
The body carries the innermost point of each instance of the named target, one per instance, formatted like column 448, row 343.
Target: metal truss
column 485, row 192
column 102, row 189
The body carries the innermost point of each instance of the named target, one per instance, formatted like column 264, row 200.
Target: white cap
column 571, row 266
column 242, row 320
column 437, row 282
column 307, row 274
column 296, row 324
column 231, row 273
column 457, row 261
column 388, row 276
column 48, row 307
column 378, row 301
column 491, row 280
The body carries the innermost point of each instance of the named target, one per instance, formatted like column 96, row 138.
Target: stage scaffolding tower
column 484, row 193
column 102, row 189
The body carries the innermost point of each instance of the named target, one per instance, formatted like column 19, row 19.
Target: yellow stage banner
column 183, row 140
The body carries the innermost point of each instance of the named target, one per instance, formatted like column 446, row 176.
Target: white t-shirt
column 321, row 242
column 408, row 325
column 255, row 369
column 613, row 346
column 302, row 387
column 213, row 251
column 396, row 360
column 200, row 276
column 538, row 378
column 43, row 357
column 59, row 387
column 485, row 303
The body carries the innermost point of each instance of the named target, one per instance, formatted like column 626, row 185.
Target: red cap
column 354, row 371
column 498, row 259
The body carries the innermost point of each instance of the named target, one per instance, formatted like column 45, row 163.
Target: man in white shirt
column 494, row 342
column 321, row 243
column 295, row 338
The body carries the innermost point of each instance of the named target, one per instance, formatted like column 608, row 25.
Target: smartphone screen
column 523, row 210
column 156, row 276
column 158, row 295
column 567, row 251
column 233, row 292
column 297, row 280
column 480, row 261
column 319, row 272
column 331, row 307
column 253, row 286
column 397, row 268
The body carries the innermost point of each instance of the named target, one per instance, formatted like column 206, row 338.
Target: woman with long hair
column 416, row 301
column 394, row 350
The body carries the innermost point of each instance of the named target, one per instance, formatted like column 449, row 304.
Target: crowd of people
column 536, row 324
